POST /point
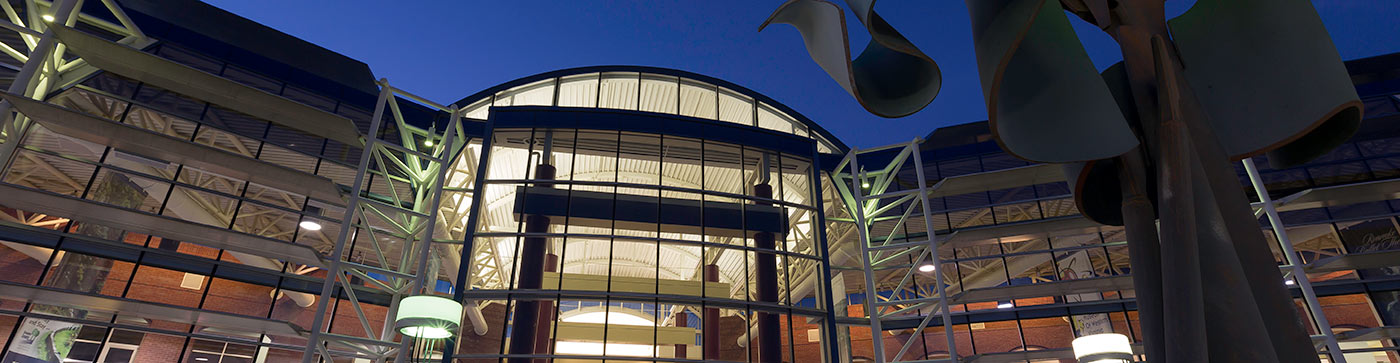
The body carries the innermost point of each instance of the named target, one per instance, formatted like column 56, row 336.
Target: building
column 179, row 182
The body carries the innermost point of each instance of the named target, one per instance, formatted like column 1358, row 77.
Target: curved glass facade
column 649, row 92
column 640, row 245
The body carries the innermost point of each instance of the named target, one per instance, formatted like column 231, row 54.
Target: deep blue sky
column 445, row 50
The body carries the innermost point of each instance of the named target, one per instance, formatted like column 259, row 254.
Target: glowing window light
column 611, row 349
column 1103, row 348
column 610, row 317
column 428, row 317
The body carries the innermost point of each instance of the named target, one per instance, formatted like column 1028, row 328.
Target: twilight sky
column 447, row 49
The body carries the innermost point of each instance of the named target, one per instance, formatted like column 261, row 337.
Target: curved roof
column 614, row 86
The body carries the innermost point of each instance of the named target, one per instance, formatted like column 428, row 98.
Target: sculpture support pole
column 1183, row 337
column 1248, row 255
column 1220, row 303
column 1144, row 251
column 1177, row 199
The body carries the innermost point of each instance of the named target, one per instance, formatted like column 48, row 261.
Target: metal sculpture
column 1151, row 137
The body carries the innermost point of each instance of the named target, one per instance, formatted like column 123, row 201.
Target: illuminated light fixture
column 428, row 142
column 864, row 184
column 928, row 267
column 428, row 317
column 1103, row 348
column 201, row 359
column 1289, row 282
column 47, row 18
column 1005, row 305
column 310, row 225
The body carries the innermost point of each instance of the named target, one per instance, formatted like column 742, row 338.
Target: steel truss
column 1293, row 269
column 47, row 65
column 867, row 195
column 418, row 162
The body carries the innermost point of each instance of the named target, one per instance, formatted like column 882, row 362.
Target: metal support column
column 710, row 322
column 1295, row 265
column 372, row 224
column 868, row 197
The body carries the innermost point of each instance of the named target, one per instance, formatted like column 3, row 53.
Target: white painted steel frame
column 426, row 173
column 871, row 255
column 45, row 68
column 1294, row 266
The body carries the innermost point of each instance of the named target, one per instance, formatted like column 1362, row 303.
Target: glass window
column 356, row 115
column 539, row 93
column 308, row 97
column 579, row 90
column 295, row 139
column 236, row 122
column 189, row 58
column 825, row 147
column 1359, row 237
column 478, row 110
column 697, row 100
column 47, row 172
column 170, row 102
column 251, row 79
column 288, row 158
column 152, row 120
column 659, row 94
column 112, row 83
column 618, row 90
column 734, row 107
column 127, row 191
column 771, row 119
column 86, row 273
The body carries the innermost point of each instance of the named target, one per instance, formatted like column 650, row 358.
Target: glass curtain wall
column 641, row 246
column 649, row 92
column 88, row 258
column 1354, row 300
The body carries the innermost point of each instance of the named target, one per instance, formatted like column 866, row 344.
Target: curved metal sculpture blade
column 1095, row 183
column 1269, row 76
column 890, row 78
column 1045, row 100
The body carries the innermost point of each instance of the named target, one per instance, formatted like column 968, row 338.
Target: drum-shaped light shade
column 1103, row 348
column 428, row 317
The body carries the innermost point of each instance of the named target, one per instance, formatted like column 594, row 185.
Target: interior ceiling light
column 428, row 142
column 1102, row 348
column 1005, row 305
column 928, row 267
column 310, row 225
column 47, row 18
column 428, row 317
column 864, row 184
